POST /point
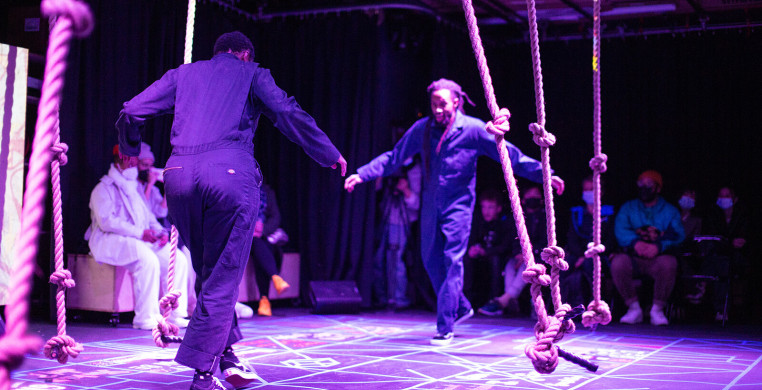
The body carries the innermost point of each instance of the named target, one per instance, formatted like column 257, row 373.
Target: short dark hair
column 491, row 194
column 234, row 41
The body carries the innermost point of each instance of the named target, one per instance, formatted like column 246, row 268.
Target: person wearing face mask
column 729, row 220
column 449, row 143
column 691, row 221
column 124, row 232
column 646, row 229
column 576, row 282
column 148, row 176
column 534, row 216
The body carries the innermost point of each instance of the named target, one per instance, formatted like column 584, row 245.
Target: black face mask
column 143, row 175
column 533, row 203
column 647, row 194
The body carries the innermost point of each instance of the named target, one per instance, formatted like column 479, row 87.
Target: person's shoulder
column 472, row 122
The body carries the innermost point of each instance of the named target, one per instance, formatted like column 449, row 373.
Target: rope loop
column 593, row 250
column 61, row 347
column 567, row 326
column 543, row 353
column 541, row 136
column 535, row 274
column 598, row 163
column 169, row 302
column 597, row 313
column 62, row 278
column 59, row 153
column 76, row 11
column 501, row 124
column 554, row 256
column 164, row 328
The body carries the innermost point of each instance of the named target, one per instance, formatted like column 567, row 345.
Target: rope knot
column 597, row 313
column 76, row 11
column 61, row 347
column 542, row 137
column 564, row 314
column 13, row 349
column 536, row 275
column 543, row 353
column 59, row 153
column 164, row 328
column 594, row 250
column 62, row 278
column 598, row 163
column 169, row 302
column 500, row 125
column 554, row 256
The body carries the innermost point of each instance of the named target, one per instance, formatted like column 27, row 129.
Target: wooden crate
column 100, row 287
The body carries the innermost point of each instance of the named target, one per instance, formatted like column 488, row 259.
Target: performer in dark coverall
column 450, row 143
column 212, row 183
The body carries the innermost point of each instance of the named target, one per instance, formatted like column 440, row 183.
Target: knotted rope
column 62, row 346
column 73, row 18
column 549, row 330
column 597, row 311
column 165, row 332
column 189, row 32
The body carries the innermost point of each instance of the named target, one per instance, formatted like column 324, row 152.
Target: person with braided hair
column 212, row 182
column 449, row 142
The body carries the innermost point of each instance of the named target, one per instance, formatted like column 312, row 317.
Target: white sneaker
column 442, row 339
column 243, row 311
column 181, row 322
column 634, row 315
column 657, row 317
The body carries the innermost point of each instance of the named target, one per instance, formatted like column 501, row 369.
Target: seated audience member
column 729, row 220
column 488, row 247
column 576, row 282
column 267, row 235
column 125, row 233
column 691, row 221
column 646, row 228
column 534, row 216
column 690, row 263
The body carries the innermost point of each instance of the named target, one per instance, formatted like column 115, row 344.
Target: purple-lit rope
column 597, row 311
column 168, row 302
column 73, row 18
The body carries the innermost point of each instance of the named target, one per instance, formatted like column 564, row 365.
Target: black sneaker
column 237, row 373
column 443, row 339
column 492, row 308
column 464, row 316
column 206, row 381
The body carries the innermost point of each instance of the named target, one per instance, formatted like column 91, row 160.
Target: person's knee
column 621, row 264
column 666, row 266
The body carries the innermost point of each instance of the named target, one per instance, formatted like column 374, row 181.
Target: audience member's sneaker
column 634, row 315
column 264, row 307
column 720, row 316
column 492, row 308
column 206, row 381
column 148, row 325
column 443, row 339
column 237, row 373
column 280, row 284
column 243, row 310
column 657, row 316
column 181, row 322
column 463, row 317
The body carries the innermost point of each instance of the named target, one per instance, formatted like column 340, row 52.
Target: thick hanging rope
column 549, row 329
column 165, row 332
column 73, row 18
column 597, row 311
column 62, row 346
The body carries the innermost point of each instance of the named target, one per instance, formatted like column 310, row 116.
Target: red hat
column 115, row 151
column 653, row 175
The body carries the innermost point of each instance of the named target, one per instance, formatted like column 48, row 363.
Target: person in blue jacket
column 646, row 229
column 449, row 143
column 212, row 183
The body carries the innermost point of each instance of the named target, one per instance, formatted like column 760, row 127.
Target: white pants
column 149, row 283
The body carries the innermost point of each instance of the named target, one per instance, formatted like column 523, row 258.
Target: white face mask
column 725, row 203
column 130, row 173
column 687, row 203
column 588, row 197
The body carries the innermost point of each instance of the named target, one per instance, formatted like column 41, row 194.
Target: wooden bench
column 100, row 287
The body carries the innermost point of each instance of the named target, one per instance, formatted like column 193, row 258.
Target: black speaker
column 334, row 297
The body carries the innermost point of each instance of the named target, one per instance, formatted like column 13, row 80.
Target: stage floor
column 383, row 350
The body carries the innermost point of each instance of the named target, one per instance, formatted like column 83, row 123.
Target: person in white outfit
column 124, row 232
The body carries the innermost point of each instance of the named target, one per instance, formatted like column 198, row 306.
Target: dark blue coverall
column 447, row 198
column 212, row 179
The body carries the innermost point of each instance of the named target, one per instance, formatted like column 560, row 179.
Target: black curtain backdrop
column 687, row 106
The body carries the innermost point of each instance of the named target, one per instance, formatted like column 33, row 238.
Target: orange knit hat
column 653, row 175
